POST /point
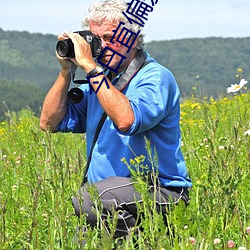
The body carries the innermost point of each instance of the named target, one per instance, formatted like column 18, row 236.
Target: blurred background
column 170, row 19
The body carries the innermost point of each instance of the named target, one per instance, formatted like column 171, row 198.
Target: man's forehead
column 104, row 28
column 103, row 23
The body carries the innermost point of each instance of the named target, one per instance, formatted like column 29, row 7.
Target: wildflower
column 221, row 147
column 195, row 106
column 230, row 244
column 240, row 70
column 237, row 87
column 45, row 216
column 192, row 240
column 248, row 230
column 242, row 248
column 217, row 241
column 22, row 210
column 247, row 133
column 198, row 182
column 137, row 160
column 14, row 188
column 132, row 162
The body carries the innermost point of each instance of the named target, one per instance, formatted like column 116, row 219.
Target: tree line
column 202, row 67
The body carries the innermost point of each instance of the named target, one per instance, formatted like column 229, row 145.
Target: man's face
column 105, row 32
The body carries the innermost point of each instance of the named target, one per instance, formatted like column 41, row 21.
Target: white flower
column 242, row 248
column 217, row 241
column 192, row 240
column 22, row 210
column 247, row 133
column 237, row 87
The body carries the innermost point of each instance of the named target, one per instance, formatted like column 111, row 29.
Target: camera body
column 65, row 48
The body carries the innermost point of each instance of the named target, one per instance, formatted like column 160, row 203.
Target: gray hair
column 111, row 11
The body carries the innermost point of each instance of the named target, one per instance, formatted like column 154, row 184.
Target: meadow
column 40, row 172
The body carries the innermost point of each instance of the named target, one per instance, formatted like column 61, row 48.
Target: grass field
column 40, row 172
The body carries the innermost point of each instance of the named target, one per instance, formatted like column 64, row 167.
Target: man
column 145, row 107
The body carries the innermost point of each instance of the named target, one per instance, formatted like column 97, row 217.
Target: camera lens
column 75, row 95
column 65, row 48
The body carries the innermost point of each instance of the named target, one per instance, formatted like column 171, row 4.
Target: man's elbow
column 45, row 126
column 125, row 125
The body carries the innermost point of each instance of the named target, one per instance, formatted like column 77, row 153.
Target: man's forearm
column 55, row 103
column 115, row 104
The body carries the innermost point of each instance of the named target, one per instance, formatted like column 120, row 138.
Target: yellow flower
column 240, row 70
column 138, row 160
column 195, row 105
column 132, row 162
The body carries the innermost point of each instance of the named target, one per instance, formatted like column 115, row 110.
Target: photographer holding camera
column 141, row 102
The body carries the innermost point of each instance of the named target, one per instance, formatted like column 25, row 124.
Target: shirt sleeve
column 153, row 97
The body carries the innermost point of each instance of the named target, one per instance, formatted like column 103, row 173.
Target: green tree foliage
column 17, row 95
column 204, row 67
column 26, row 57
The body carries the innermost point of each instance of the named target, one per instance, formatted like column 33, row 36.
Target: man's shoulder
column 154, row 69
column 154, row 63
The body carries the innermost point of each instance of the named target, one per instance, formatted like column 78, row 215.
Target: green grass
column 40, row 172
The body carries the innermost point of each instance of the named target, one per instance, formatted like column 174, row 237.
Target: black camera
column 65, row 48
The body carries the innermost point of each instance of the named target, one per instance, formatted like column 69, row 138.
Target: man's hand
column 83, row 54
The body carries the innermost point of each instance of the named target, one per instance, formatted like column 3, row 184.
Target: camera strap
column 136, row 64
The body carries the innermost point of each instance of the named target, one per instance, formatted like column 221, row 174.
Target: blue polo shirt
column 154, row 97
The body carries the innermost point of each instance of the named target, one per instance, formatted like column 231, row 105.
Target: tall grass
column 40, row 172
